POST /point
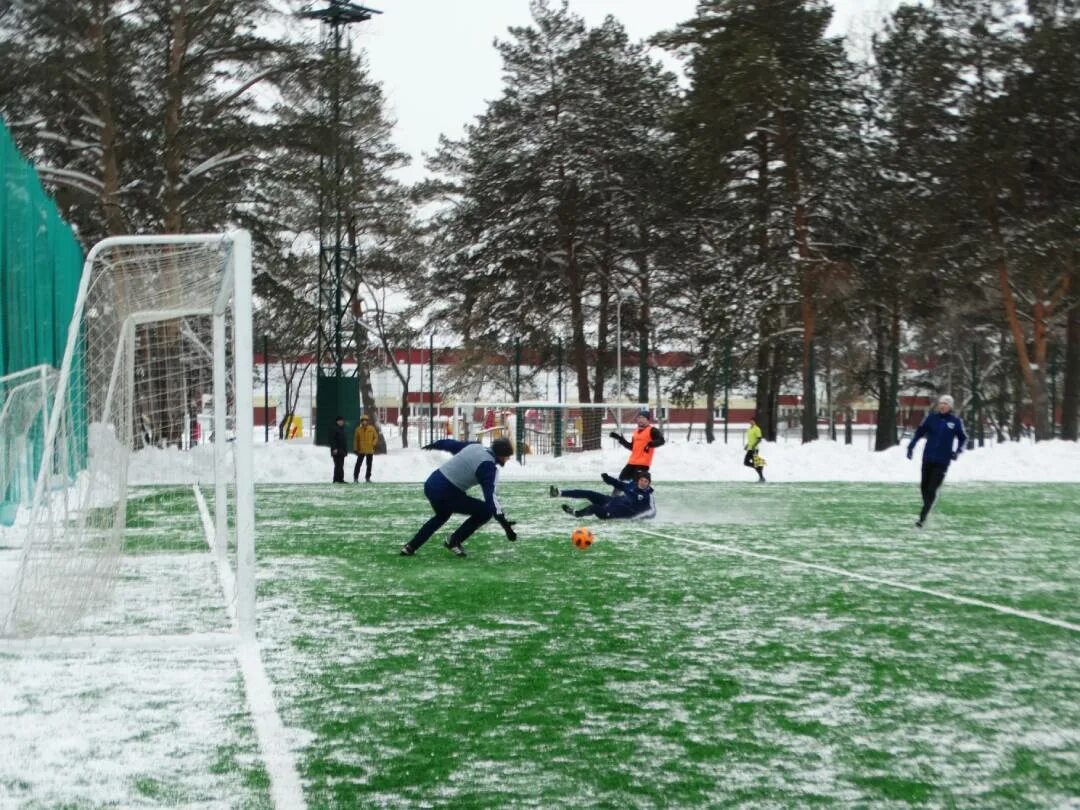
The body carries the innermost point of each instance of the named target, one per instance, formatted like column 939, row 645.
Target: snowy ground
column 133, row 722
column 300, row 462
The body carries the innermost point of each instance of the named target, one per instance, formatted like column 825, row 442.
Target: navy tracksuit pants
column 598, row 500
column 447, row 500
column 933, row 474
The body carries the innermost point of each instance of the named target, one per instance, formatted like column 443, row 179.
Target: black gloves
column 955, row 456
column 615, row 435
column 428, row 447
column 649, row 445
column 508, row 527
column 909, row 452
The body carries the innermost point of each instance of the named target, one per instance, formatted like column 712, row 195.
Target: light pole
column 335, row 393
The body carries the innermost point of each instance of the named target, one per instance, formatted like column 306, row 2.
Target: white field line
column 285, row 786
column 48, row 644
column 892, row 583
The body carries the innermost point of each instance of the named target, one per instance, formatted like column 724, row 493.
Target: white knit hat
column 946, row 399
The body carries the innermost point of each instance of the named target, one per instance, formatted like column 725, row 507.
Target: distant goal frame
column 619, row 409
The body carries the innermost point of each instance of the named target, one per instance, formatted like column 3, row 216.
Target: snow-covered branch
column 71, row 178
column 222, row 158
column 26, row 123
column 239, row 91
column 73, row 143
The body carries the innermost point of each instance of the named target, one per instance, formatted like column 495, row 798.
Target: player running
column 941, row 428
column 635, row 502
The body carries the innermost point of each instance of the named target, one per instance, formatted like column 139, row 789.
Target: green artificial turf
column 662, row 668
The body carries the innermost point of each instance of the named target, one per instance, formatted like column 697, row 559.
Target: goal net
column 543, row 428
column 24, row 398
column 158, row 348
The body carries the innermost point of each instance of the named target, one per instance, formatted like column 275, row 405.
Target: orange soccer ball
column 582, row 537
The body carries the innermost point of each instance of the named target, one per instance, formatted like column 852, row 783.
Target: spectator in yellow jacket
column 365, row 437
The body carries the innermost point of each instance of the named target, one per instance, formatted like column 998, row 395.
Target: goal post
column 24, row 415
column 543, row 428
column 160, row 332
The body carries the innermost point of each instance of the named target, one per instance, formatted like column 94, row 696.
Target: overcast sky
column 438, row 67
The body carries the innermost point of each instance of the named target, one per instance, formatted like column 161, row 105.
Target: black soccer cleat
column 553, row 491
column 568, row 508
column 454, row 548
column 918, row 524
column 407, row 550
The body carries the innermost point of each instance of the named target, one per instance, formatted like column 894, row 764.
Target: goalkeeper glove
column 955, row 456
column 508, row 527
column 909, row 452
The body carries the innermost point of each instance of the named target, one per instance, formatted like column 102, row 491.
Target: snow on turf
column 301, row 462
column 106, row 728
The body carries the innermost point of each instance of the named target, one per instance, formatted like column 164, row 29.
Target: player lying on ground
column 635, row 502
column 446, row 489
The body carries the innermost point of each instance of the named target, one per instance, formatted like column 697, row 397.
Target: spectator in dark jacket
column 635, row 500
column 945, row 441
column 339, row 449
column 446, row 488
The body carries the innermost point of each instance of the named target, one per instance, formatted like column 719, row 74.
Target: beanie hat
column 645, row 412
column 946, row 399
column 502, row 448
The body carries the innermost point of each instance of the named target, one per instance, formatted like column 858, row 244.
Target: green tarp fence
column 40, row 265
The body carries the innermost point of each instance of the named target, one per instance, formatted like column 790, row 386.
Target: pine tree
column 143, row 117
column 769, row 120
column 69, row 77
column 995, row 170
column 554, row 196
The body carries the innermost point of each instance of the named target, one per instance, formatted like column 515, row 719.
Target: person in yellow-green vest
column 365, row 437
column 752, row 459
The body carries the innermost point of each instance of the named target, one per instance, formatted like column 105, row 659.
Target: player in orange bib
column 642, row 444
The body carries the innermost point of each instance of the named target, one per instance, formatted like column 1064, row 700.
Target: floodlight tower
column 336, row 393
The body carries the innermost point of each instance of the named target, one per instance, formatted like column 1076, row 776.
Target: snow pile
column 300, row 462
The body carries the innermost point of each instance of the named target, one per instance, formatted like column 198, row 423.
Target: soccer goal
column 24, row 414
column 160, row 336
column 543, row 428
